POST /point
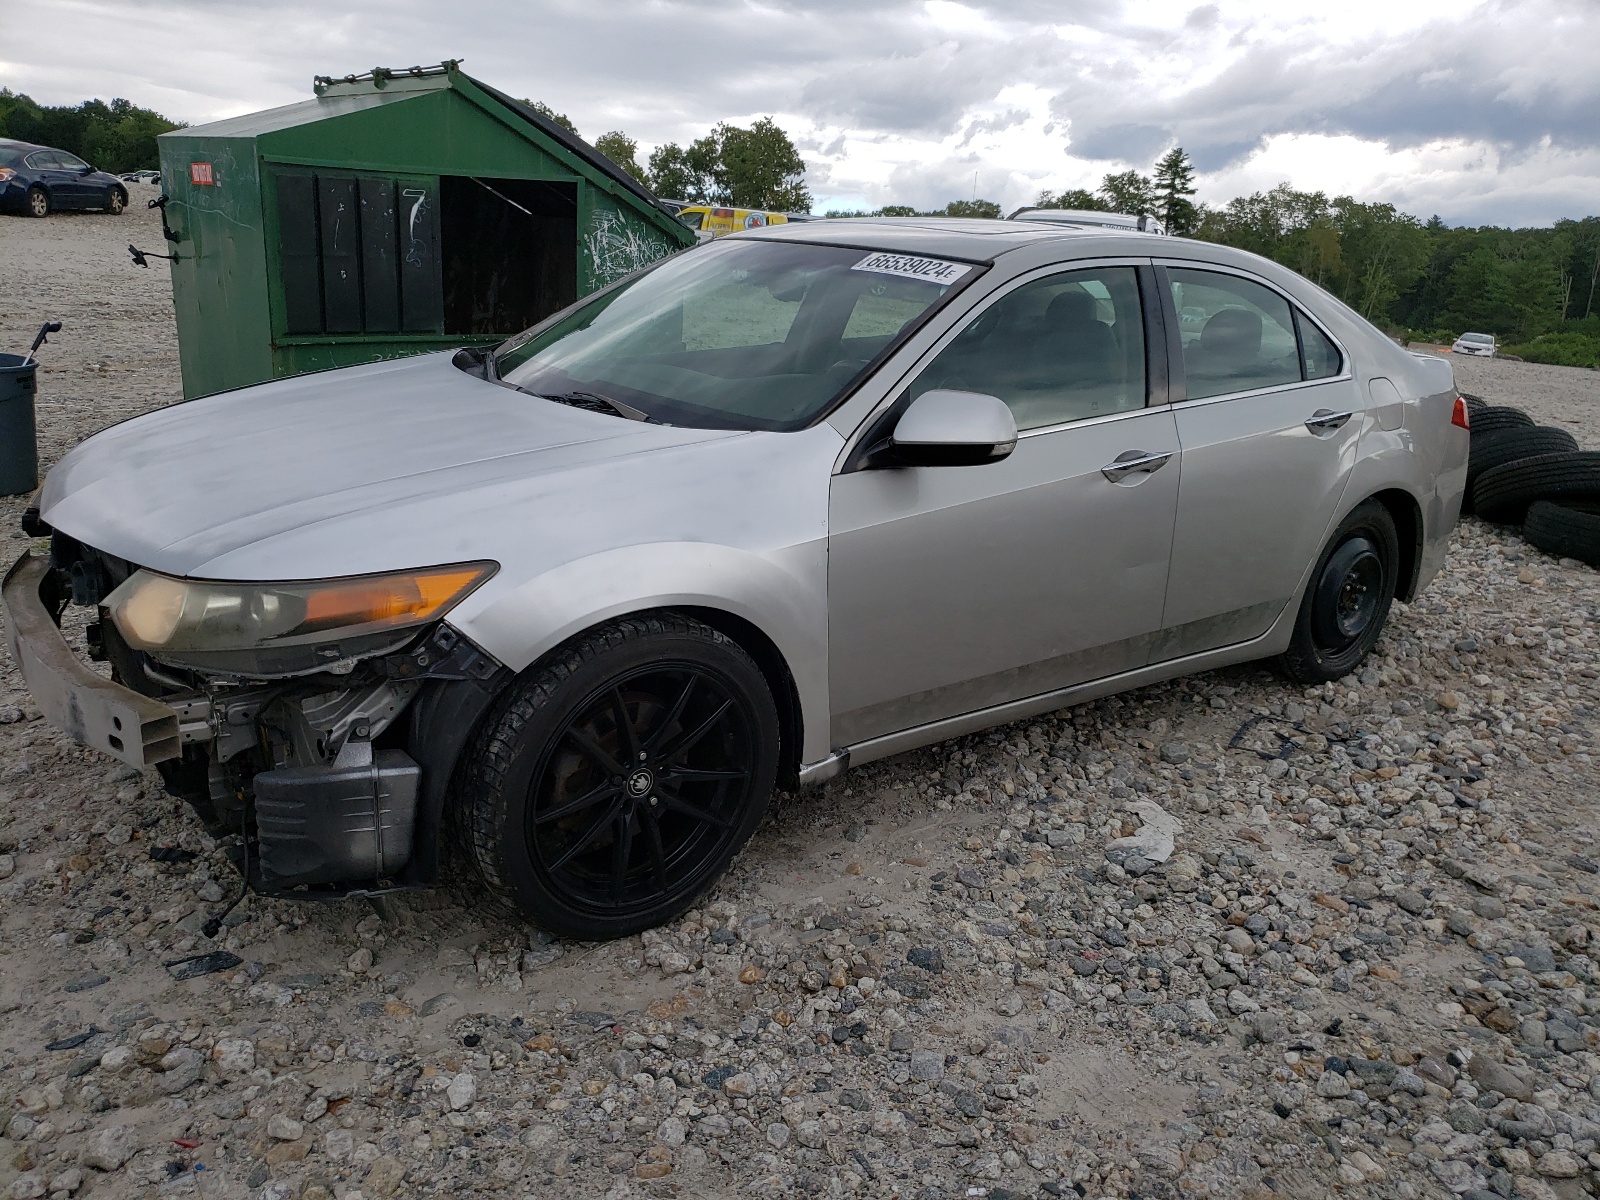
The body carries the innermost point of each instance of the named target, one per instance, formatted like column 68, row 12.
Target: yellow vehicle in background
column 712, row 221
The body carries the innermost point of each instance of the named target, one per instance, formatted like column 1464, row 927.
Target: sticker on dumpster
column 910, row 266
column 200, row 174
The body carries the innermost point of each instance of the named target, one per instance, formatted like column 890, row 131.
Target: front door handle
column 1325, row 421
column 1134, row 462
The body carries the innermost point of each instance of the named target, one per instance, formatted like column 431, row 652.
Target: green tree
column 1128, row 192
column 896, row 210
column 970, row 208
column 561, row 119
column 687, row 173
column 622, row 150
column 1075, row 198
column 759, row 167
column 1174, row 184
column 115, row 137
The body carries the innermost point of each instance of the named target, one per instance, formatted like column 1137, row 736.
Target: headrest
column 1235, row 332
column 1072, row 307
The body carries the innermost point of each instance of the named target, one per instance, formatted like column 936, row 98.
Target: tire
column 116, row 201
column 1493, row 418
column 1502, row 494
column 1347, row 601
column 1475, row 403
column 1508, row 445
column 591, row 824
column 38, row 202
column 1564, row 532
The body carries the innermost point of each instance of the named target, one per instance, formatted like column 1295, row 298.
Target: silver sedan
column 565, row 613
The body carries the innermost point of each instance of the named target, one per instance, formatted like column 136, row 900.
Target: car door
column 77, row 183
column 955, row 588
column 47, row 167
column 1269, row 421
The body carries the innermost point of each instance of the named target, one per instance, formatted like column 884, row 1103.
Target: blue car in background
column 38, row 180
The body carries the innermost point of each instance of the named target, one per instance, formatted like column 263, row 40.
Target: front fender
column 781, row 592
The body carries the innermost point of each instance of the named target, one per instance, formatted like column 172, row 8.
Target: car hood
column 377, row 467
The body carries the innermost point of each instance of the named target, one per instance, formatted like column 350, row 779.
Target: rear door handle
column 1325, row 421
column 1134, row 462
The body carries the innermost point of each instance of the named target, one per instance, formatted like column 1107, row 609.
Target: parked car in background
column 141, row 177
column 39, row 180
column 812, row 495
column 1481, row 344
column 1144, row 223
column 713, row 221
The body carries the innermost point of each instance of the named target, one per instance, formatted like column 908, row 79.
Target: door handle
column 1325, row 420
column 1134, row 462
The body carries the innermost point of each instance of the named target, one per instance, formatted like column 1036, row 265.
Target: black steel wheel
column 1348, row 598
column 622, row 776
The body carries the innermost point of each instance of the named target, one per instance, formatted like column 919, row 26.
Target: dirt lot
column 1368, row 968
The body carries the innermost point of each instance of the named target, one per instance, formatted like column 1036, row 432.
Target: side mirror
column 86, row 170
column 952, row 429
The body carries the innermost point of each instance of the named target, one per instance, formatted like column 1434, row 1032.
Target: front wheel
column 620, row 777
column 1348, row 599
column 116, row 201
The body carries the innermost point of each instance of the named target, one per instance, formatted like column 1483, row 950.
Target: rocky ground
column 1367, row 968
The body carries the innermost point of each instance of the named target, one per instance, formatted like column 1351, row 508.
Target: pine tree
column 1174, row 184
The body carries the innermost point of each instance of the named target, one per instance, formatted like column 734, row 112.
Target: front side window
column 1063, row 348
column 694, row 220
column 737, row 334
column 1237, row 335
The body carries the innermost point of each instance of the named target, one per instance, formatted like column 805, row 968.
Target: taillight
column 6, row 173
column 1458, row 415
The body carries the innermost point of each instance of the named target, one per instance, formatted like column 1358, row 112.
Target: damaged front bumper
column 293, row 766
column 95, row 711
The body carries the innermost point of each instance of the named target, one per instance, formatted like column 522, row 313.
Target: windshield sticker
column 910, row 266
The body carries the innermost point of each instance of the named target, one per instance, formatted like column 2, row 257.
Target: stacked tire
column 1519, row 473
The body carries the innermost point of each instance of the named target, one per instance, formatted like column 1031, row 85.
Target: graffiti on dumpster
column 617, row 247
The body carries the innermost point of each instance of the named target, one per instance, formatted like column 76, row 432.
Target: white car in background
column 1481, row 344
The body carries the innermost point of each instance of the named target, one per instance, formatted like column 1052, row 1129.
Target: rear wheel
column 1348, row 599
column 38, row 202
column 621, row 777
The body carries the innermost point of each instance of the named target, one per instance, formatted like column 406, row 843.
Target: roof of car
column 14, row 144
column 951, row 237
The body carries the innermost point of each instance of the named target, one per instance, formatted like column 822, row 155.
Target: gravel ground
column 1368, row 967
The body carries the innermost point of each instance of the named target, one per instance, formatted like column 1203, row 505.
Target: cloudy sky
column 1481, row 112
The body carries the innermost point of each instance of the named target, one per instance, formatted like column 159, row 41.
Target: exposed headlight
column 283, row 627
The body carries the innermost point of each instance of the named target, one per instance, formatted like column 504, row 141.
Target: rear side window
column 1237, row 335
column 1319, row 356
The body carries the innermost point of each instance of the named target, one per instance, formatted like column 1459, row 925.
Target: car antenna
column 45, row 331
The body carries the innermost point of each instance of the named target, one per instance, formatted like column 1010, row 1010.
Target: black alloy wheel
column 622, row 777
column 1348, row 598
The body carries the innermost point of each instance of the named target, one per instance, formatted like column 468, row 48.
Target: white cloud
column 1479, row 111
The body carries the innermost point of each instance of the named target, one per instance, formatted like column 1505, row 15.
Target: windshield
column 735, row 334
column 1482, row 339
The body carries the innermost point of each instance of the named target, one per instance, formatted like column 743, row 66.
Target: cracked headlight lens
column 212, row 623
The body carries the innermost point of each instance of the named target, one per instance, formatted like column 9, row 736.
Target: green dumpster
column 396, row 213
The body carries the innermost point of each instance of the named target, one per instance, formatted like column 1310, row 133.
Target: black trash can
column 19, row 443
